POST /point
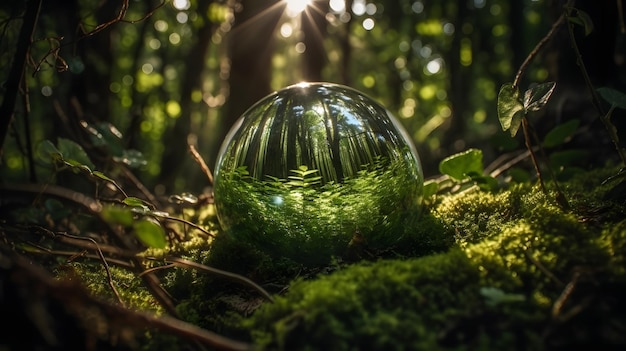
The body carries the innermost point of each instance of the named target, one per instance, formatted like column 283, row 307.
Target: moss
column 356, row 309
column 478, row 271
column 524, row 275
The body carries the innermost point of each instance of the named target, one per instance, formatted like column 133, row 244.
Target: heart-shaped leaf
column 537, row 97
column 460, row 166
column 510, row 109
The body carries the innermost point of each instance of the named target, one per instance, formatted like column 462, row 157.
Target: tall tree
column 251, row 45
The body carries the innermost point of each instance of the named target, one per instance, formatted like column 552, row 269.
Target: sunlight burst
column 296, row 7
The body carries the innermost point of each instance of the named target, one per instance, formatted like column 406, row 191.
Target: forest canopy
column 164, row 75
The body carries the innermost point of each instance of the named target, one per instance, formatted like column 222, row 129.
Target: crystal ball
column 314, row 170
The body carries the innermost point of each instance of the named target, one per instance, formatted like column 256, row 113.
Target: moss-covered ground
column 504, row 270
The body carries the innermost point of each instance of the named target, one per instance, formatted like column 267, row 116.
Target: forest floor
column 483, row 271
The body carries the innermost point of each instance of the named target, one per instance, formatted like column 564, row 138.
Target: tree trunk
column 314, row 28
column 251, row 46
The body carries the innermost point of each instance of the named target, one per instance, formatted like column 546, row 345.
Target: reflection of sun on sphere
column 307, row 168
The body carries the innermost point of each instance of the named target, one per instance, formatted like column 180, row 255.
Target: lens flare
column 296, row 7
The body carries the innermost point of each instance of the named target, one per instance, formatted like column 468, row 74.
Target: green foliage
column 462, row 168
column 302, row 219
column 512, row 110
column 614, row 97
column 150, row 232
column 463, row 165
column 67, row 152
column 560, row 134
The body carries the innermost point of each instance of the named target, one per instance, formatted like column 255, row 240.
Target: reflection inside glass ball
column 310, row 166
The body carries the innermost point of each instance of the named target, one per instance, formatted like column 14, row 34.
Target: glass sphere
column 314, row 169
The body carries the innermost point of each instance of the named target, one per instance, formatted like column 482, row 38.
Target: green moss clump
column 525, row 275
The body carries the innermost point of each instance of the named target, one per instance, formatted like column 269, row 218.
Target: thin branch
column 181, row 262
column 120, row 18
column 595, row 98
column 104, row 263
column 76, row 299
column 38, row 249
column 184, row 221
column 536, row 50
column 196, row 156
column 581, row 64
column 533, row 157
column 150, row 280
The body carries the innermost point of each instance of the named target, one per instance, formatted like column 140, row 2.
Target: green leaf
column 136, row 202
column 582, row 18
column 73, row 152
column 537, row 97
column 614, row 97
column 510, row 109
column 102, row 176
column 118, row 215
column 559, row 134
column 77, row 166
column 461, row 165
column 150, row 232
column 48, row 153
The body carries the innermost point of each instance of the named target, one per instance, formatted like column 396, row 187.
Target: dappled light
column 244, row 175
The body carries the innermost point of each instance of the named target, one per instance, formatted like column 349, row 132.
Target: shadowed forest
column 113, row 114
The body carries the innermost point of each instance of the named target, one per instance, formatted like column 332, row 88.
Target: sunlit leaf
column 150, row 232
column 460, row 166
column 537, row 97
column 559, row 134
column 136, row 202
column 614, row 97
column 118, row 215
column 77, row 166
column 510, row 109
column 102, row 176
column 583, row 19
column 74, row 153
